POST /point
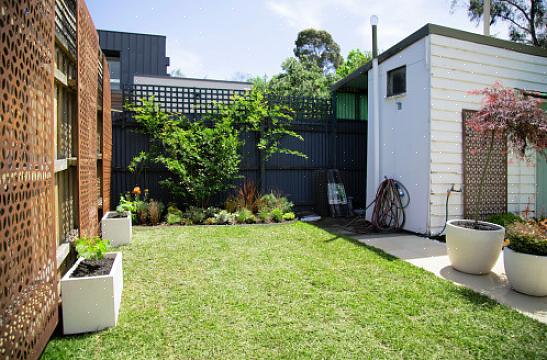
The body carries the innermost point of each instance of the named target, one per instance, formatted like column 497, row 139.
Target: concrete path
column 431, row 255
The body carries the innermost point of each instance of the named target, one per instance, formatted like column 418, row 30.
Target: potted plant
column 525, row 258
column 117, row 225
column 473, row 246
column 91, row 291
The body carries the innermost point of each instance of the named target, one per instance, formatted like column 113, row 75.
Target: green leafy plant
column 264, row 216
column 245, row 216
column 272, row 201
column 92, row 248
column 173, row 219
column 202, row 156
column 196, row 214
column 290, row 216
column 528, row 238
column 277, row 215
column 224, row 218
column 505, row 219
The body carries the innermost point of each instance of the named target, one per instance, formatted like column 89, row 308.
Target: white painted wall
column 456, row 67
column 404, row 133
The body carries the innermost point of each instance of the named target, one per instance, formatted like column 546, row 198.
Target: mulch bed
column 88, row 268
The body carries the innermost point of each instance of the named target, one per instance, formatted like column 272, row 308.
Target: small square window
column 396, row 81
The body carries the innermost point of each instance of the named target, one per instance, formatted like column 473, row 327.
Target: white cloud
column 189, row 62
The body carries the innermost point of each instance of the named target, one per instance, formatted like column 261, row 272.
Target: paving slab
column 431, row 255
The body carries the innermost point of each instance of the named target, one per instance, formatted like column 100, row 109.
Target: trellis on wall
column 44, row 139
column 494, row 193
column 28, row 286
column 88, row 73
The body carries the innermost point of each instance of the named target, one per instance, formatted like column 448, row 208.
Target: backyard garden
column 287, row 291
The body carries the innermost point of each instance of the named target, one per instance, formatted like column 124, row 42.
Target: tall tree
column 526, row 18
column 301, row 79
column 355, row 59
column 319, row 48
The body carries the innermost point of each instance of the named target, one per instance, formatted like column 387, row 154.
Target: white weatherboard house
column 417, row 138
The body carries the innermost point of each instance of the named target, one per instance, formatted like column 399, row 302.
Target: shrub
column 155, row 208
column 224, row 217
column 265, row 216
column 196, row 214
column 505, row 219
column 290, row 216
column 209, row 221
column 201, row 156
column 245, row 216
column 528, row 238
column 173, row 209
column 92, row 248
column 277, row 215
column 141, row 209
column 173, row 219
column 186, row 221
column 272, row 201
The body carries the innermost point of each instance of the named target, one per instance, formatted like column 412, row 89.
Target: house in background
column 129, row 54
column 420, row 137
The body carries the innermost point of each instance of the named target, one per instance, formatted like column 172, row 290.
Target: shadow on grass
column 337, row 236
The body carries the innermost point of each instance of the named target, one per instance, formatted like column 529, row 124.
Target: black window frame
column 390, row 90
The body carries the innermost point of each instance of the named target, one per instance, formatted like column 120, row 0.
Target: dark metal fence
column 327, row 142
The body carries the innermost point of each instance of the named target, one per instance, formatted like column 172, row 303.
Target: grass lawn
column 292, row 291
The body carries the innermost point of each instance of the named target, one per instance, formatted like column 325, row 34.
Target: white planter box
column 526, row 273
column 473, row 251
column 117, row 230
column 92, row 303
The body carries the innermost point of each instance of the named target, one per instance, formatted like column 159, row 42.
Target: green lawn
column 292, row 291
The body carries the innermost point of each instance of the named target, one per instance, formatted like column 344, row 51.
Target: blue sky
column 223, row 38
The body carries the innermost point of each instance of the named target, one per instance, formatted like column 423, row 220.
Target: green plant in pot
column 91, row 289
column 525, row 258
column 506, row 114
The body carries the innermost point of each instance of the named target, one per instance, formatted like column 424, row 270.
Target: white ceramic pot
column 526, row 273
column 473, row 251
column 116, row 229
column 92, row 303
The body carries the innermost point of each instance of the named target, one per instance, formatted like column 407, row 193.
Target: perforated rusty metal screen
column 107, row 137
column 88, row 73
column 475, row 150
column 28, row 284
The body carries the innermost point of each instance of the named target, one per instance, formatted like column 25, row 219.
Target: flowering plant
column 511, row 113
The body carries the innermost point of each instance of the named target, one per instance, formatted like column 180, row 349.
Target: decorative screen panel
column 88, row 73
column 28, row 284
column 475, row 153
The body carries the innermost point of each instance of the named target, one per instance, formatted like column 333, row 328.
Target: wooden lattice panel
column 88, row 73
column 28, row 284
column 494, row 193
column 107, row 137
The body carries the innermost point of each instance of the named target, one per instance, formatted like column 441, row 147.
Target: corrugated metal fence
column 327, row 142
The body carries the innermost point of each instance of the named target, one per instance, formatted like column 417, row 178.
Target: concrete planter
column 473, row 251
column 92, row 303
column 116, row 229
column 526, row 273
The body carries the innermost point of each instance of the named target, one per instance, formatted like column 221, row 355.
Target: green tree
column 319, row 48
column 301, row 79
column 268, row 118
column 355, row 59
column 526, row 18
column 202, row 156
